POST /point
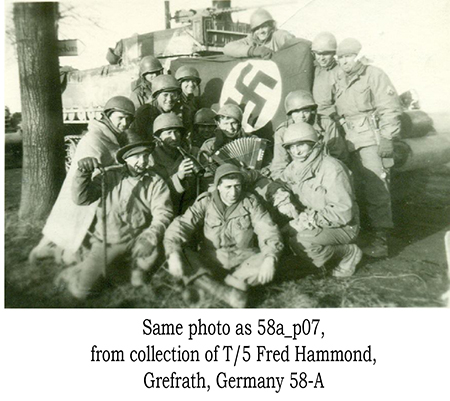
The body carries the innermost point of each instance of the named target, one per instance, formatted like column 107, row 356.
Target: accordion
column 244, row 152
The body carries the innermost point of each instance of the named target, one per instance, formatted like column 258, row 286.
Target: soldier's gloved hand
column 267, row 270
column 88, row 164
column 175, row 264
column 261, row 52
column 185, row 169
column 386, row 148
column 282, row 201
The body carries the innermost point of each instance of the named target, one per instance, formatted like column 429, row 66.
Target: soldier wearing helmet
column 227, row 221
column 166, row 99
column 300, row 107
column 66, row 227
column 189, row 80
column 204, row 127
column 263, row 41
column 229, row 127
column 329, row 223
column 370, row 107
column 141, row 89
column 170, row 162
column 324, row 49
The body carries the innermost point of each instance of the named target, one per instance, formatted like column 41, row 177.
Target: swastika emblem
column 255, row 85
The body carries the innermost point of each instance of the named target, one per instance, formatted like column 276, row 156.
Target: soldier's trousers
column 372, row 182
column 319, row 244
column 239, row 268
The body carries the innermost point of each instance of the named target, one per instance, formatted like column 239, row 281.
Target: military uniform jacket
column 134, row 205
column 68, row 223
column 366, row 92
column 240, row 48
column 141, row 92
column 228, row 230
column 324, row 89
column 323, row 185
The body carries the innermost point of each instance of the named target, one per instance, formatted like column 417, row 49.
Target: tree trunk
column 42, row 121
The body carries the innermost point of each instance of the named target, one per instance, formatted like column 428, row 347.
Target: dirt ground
column 415, row 274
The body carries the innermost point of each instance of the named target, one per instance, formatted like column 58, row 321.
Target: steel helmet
column 324, row 42
column 120, row 103
column 164, row 83
column 186, row 72
column 299, row 132
column 230, row 110
column 204, row 116
column 166, row 121
column 259, row 17
column 298, row 100
column 349, row 46
column 149, row 64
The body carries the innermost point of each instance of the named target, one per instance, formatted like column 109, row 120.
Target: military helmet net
column 298, row 100
column 299, row 132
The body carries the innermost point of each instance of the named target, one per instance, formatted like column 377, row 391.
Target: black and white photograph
column 227, row 154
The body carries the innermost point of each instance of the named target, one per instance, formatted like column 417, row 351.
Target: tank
column 258, row 86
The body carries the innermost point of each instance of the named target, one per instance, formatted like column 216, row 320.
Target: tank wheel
column 70, row 145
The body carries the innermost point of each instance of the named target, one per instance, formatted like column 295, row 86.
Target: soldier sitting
column 171, row 162
column 229, row 218
column 263, row 41
column 141, row 89
column 189, row 79
column 166, row 95
column 204, row 127
column 138, row 210
column 329, row 224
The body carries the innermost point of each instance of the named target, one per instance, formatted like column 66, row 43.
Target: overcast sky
column 408, row 39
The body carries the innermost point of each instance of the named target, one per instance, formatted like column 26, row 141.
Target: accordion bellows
column 244, row 152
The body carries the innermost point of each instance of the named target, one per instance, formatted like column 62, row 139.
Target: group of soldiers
column 143, row 185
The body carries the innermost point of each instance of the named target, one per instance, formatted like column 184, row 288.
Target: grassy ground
column 414, row 276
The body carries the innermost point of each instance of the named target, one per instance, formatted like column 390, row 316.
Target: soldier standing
column 189, row 79
column 263, row 41
column 324, row 49
column 141, row 89
column 371, row 109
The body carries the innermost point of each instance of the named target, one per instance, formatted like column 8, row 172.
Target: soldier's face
column 302, row 115
column 205, row 131
column 229, row 125
column 230, row 190
column 171, row 137
column 120, row 120
column 347, row 62
column 263, row 31
column 138, row 163
column 189, row 87
column 167, row 100
column 324, row 59
column 300, row 151
column 150, row 76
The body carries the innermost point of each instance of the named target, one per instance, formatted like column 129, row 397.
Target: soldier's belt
column 358, row 124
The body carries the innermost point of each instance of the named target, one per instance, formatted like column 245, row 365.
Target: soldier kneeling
column 229, row 218
column 138, row 211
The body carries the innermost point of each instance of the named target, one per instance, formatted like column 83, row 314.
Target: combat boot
column 378, row 247
column 351, row 256
column 232, row 296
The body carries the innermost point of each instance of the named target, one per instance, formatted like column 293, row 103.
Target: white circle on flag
column 255, row 84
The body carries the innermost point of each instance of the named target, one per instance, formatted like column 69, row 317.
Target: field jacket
column 227, row 230
column 240, row 48
column 324, row 88
column 323, row 185
column 141, row 92
column 365, row 93
column 134, row 205
column 68, row 223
